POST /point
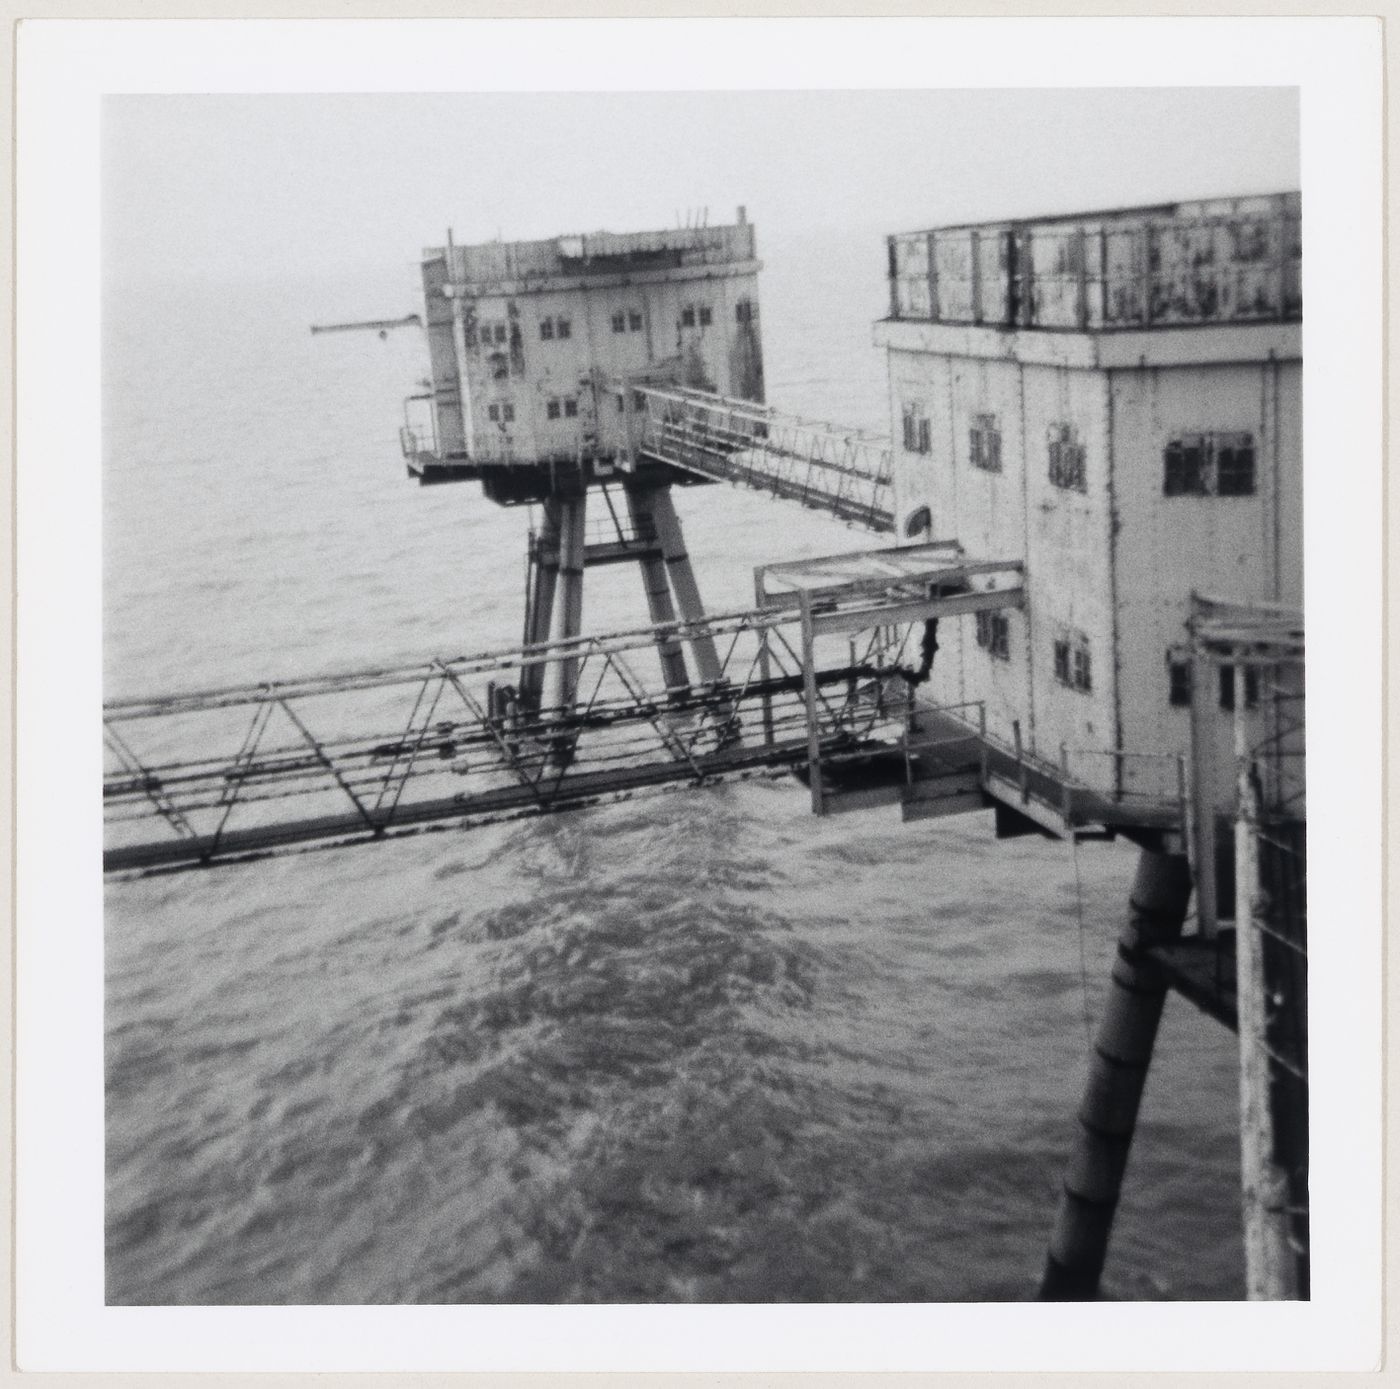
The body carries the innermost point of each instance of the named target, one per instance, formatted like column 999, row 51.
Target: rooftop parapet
column 1223, row 261
column 597, row 253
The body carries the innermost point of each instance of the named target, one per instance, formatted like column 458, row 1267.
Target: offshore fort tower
column 1099, row 415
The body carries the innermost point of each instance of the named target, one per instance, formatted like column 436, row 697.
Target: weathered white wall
column 1119, row 561
column 723, row 356
column 1243, row 548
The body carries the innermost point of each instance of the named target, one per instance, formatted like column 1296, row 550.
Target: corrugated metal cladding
column 529, row 340
column 1124, row 469
column 1226, row 260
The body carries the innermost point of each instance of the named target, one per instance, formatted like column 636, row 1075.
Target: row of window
column 1205, row 465
column 1209, row 465
column 1180, row 683
column 503, row 412
column 1073, row 666
column 623, row 321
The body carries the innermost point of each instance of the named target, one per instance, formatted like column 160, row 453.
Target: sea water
column 700, row 1046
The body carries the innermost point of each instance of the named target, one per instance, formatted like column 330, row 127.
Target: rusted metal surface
column 1206, row 262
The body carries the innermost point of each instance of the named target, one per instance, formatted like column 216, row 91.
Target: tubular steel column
column 570, row 595
column 1117, row 1073
column 539, row 604
column 682, row 577
column 1271, row 1269
column 659, row 605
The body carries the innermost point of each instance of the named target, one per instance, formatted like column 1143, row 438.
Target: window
column 493, row 412
column 1234, row 467
column 744, row 311
column 1205, row 465
column 994, row 635
column 688, row 317
column 917, row 436
column 1227, row 687
column 552, row 409
column 1066, row 459
column 501, row 333
column 639, row 401
column 1178, row 682
column 920, row 520
column 619, row 322
column 621, row 403
column 634, row 320
column 500, row 366
column 984, row 439
column 706, row 317
column 570, row 408
column 546, row 329
column 1072, row 664
column 508, row 413
column 563, row 328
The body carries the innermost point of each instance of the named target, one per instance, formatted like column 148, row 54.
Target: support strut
column 1117, row 1075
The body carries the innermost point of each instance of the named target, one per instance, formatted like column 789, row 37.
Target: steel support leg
column 539, row 607
column 682, row 578
column 1117, row 1074
column 570, row 595
column 659, row 604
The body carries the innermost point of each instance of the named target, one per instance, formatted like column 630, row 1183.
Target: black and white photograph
column 703, row 696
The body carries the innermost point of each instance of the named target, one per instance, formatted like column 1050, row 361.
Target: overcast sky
column 223, row 185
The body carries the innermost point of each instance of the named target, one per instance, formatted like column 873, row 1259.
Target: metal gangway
column 818, row 678
column 823, row 466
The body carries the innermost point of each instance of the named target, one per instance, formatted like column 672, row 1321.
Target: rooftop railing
column 1196, row 263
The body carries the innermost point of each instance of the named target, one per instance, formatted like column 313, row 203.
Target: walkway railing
column 824, row 467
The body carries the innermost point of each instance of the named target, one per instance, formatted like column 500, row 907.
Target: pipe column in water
column 1117, row 1074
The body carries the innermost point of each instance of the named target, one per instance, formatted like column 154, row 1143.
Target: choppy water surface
column 697, row 1047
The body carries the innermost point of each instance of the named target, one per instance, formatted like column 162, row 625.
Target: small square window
column 744, row 311
column 1083, row 672
column 639, row 401
column 563, row 328
column 634, row 320
column 1184, row 464
column 984, row 443
column 687, row 317
column 1073, row 666
column 1234, row 468
column 918, row 435
column 1066, row 459
column 546, row 329
column 493, row 412
column 619, row 322
column 501, row 333
column 552, row 410
column 706, row 318
column 570, row 408
column 621, row 403
column 1227, row 687
column 508, row 413
column 1178, row 682
column 994, row 635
